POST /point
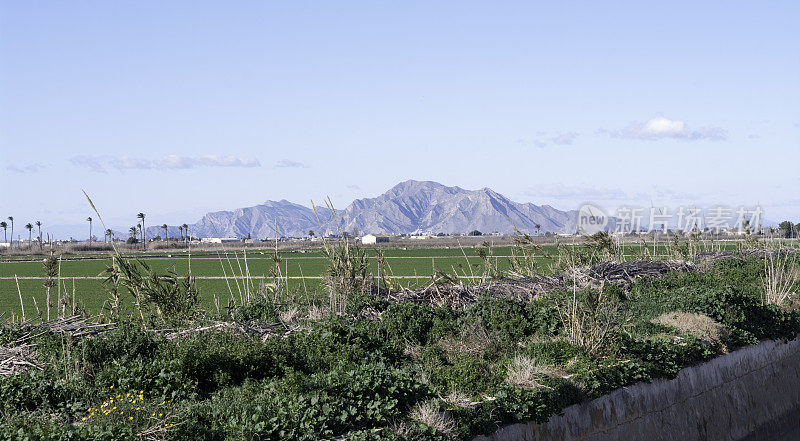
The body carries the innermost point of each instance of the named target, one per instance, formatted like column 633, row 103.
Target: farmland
column 220, row 274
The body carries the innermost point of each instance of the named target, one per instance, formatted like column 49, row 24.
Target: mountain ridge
column 409, row 207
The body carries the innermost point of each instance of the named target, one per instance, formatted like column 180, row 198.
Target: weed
column 428, row 413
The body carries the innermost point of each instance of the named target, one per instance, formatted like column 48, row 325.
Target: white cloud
column 661, row 126
column 664, row 128
column 287, row 163
column 30, row 168
column 565, row 138
column 174, row 161
column 541, row 140
column 101, row 164
column 354, row 187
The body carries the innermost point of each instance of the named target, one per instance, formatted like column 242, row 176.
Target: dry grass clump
column 289, row 316
column 456, row 398
column 428, row 414
column 590, row 318
column 401, row 430
column 527, row 372
column 412, row 350
column 703, row 326
column 473, row 340
column 781, row 276
column 316, row 313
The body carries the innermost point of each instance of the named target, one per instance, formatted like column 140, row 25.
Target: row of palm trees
column 29, row 226
column 135, row 231
column 139, row 231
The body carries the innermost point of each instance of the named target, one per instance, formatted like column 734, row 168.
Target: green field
column 219, row 274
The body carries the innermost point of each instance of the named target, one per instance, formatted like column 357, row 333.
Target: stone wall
column 751, row 394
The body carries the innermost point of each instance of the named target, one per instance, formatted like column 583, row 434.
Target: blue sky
column 178, row 108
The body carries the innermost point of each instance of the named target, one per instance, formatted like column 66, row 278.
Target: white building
column 370, row 239
column 219, row 240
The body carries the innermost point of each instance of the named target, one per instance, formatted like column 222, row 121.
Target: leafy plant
column 169, row 295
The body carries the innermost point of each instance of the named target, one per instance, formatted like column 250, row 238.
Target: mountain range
column 408, row 207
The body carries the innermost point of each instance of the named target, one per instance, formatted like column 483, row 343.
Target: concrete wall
column 752, row 394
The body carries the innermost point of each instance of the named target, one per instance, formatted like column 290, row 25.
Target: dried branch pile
column 623, row 274
column 17, row 359
column 75, row 326
column 21, row 356
column 458, row 295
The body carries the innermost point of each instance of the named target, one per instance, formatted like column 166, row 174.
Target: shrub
column 416, row 323
column 320, row 406
column 127, row 342
column 260, row 309
column 337, row 340
column 158, row 379
column 214, row 361
column 463, row 373
column 512, row 320
column 554, row 352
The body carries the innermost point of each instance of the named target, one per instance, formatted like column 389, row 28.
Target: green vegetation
column 302, row 270
column 344, row 360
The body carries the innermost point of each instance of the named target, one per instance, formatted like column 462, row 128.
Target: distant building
column 370, row 239
column 5, row 245
column 220, row 240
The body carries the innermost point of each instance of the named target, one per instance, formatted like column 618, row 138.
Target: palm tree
column 11, row 218
column 4, row 226
column 29, row 226
column 180, row 228
column 39, row 226
column 110, row 235
column 166, row 233
column 538, row 227
column 90, row 228
column 133, row 231
column 144, row 233
column 186, row 229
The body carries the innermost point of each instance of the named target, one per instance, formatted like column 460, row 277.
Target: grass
column 702, row 326
column 304, row 269
column 527, row 372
